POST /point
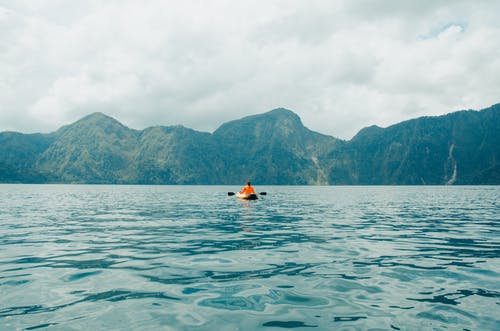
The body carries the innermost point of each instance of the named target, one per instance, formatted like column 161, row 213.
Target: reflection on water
column 190, row 257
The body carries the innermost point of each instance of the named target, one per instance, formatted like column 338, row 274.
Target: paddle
column 261, row 193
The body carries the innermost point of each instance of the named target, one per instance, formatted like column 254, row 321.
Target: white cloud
column 340, row 65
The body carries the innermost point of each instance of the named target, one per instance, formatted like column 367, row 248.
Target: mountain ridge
column 269, row 148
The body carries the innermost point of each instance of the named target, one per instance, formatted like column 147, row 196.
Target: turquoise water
column 82, row 257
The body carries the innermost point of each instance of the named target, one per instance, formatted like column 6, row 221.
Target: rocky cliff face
column 458, row 148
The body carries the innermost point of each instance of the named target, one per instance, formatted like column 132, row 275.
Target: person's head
column 248, row 183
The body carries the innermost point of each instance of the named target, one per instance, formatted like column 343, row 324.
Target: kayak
column 252, row 196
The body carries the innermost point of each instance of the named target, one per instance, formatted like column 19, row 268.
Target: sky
column 340, row 65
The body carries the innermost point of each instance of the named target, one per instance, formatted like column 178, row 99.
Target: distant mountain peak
column 96, row 117
column 281, row 111
column 97, row 114
column 99, row 119
column 94, row 122
column 367, row 132
column 276, row 118
column 275, row 114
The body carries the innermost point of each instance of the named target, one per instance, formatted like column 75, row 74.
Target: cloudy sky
column 340, row 65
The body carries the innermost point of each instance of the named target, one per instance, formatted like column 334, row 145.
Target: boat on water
column 247, row 193
column 251, row 196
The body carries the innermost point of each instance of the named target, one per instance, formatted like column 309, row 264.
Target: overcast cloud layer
column 340, row 65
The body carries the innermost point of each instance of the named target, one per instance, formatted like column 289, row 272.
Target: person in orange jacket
column 247, row 189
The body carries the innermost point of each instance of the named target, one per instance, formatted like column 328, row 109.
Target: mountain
column 95, row 149
column 175, row 155
column 458, row 148
column 99, row 149
column 274, row 147
column 269, row 148
column 18, row 155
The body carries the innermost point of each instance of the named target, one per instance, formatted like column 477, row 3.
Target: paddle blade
column 263, row 193
column 230, row 193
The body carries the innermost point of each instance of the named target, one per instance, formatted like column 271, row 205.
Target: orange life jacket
column 247, row 190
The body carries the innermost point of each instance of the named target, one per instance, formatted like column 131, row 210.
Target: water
column 193, row 258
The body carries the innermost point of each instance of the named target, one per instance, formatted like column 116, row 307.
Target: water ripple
column 111, row 296
column 190, row 257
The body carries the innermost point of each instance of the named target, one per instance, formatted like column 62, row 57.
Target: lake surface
column 84, row 257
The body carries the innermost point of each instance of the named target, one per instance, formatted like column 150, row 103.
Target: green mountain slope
column 175, row 155
column 95, row 149
column 269, row 148
column 458, row 148
column 273, row 147
column 18, row 154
